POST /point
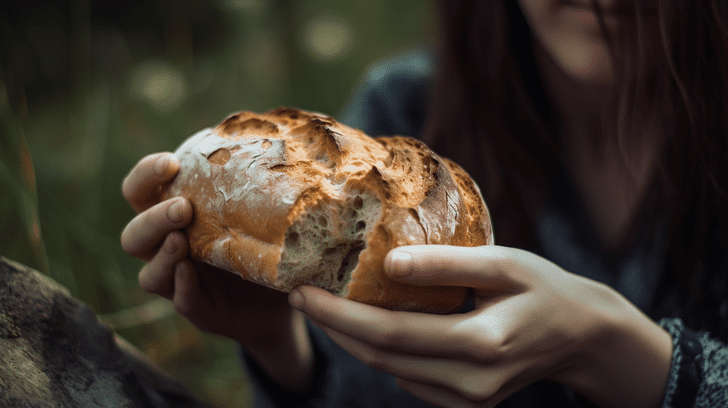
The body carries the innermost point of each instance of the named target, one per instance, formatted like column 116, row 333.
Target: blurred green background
column 89, row 88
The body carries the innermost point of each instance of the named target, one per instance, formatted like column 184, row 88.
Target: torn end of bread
column 322, row 246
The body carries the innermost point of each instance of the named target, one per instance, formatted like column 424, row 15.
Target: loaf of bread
column 290, row 197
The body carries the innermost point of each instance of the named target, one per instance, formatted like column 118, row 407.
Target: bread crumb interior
column 323, row 244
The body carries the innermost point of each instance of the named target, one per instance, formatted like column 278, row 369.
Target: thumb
column 488, row 267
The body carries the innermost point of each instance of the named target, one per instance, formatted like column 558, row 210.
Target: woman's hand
column 532, row 321
column 214, row 300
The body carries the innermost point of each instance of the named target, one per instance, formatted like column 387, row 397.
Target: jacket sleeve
column 392, row 97
column 699, row 372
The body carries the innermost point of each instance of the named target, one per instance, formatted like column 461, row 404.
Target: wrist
column 625, row 359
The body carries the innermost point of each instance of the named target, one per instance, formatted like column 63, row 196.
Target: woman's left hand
column 532, row 321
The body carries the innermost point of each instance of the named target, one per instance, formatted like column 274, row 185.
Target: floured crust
column 254, row 176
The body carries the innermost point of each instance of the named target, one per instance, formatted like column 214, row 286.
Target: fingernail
column 174, row 212
column 296, row 300
column 160, row 166
column 170, row 246
column 400, row 264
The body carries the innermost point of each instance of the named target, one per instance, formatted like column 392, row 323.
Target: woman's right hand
column 213, row 299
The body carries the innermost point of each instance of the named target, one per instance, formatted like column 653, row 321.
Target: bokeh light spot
column 160, row 84
column 328, row 37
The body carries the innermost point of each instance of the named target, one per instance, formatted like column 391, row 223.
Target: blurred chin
column 572, row 37
column 585, row 60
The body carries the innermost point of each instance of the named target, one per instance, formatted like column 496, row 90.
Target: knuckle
column 178, row 240
column 170, row 248
column 485, row 346
column 153, row 218
column 493, row 347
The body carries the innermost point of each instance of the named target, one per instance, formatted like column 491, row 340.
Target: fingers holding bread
column 158, row 275
column 142, row 186
column 144, row 234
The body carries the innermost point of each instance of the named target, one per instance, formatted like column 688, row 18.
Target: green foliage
column 19, row 216
column 88, row 89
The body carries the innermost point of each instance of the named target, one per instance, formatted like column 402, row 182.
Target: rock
column 54, row 352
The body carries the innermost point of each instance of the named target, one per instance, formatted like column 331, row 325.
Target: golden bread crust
column 254, row 178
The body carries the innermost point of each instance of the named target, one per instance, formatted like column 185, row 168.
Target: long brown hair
column 491, row 114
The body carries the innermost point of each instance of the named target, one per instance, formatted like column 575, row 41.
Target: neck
column 613, row 181
column 577, row 104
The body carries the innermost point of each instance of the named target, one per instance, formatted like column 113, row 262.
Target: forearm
column 627, row 363
column 289, row 362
